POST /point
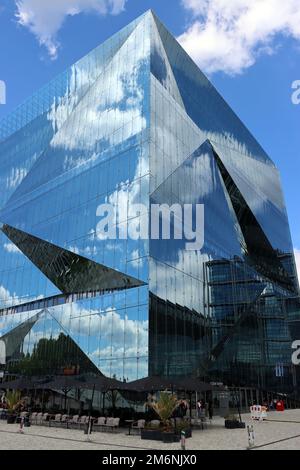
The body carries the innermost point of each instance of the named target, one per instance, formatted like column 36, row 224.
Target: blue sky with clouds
column 250, row 49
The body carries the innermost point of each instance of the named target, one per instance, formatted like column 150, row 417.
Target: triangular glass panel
column 204, row 104
column 70, row 272
column 160, row 66
column 110, row 103
column 40, row 346
column 261, row 188
column 260, row 251
column 11, row 341
column 197, row 181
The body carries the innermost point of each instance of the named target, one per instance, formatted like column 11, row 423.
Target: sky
column 249, row 49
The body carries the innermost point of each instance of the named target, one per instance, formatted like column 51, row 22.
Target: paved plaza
column 281, row 431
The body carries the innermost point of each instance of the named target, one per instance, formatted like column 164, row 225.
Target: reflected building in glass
column 132, row 124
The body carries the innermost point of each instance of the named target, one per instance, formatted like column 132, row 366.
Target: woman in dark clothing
column 181, row 409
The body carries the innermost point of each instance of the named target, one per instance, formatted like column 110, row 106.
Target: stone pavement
column 278, row 435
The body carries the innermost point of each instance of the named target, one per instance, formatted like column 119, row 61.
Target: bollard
column 251, row 436
column 88, row 430
column 21, row 429
column 182, row 440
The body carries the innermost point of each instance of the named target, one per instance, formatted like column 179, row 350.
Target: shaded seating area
column 105, row 422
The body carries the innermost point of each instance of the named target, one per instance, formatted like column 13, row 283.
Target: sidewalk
column 215, row 437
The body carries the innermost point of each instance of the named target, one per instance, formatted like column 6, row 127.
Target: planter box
column 11, row 419
column 157, row 435
column 229, row 424
column 168, row 437
column 151, row 434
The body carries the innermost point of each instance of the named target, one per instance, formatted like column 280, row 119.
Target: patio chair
column 137, row 426
column 39, row 418
column 109, row 423
column 56, row 421
column 112, row 423
column 82, row 421
column 116, row 423
column 33, row 417
column 45, row 419
column 73, row 421
column 99, row 423
column 64, row 421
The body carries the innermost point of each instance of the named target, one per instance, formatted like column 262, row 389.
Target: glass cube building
column 135, row 123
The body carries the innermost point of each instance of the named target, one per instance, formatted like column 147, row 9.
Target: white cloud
column 137, row 261
column 11, row 248
column 9, row 322
column 44, row 18
column 87, row 251
column 115, row 112
column 8, row 299
column 105, row 324
column 297, row 258
column 228, row 36
column 119, row 344
column 16, row 177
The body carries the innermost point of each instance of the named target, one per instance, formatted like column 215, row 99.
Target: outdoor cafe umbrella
column 101, row 384
column 63, row 383
column 157, row 383
column 18, row 384
column 66, row 383
column 59, row 383
column 149, row 384
column 191, row 384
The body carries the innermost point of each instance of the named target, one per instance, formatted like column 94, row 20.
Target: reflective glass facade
column 136, row 122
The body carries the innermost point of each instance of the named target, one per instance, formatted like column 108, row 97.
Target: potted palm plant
column 164, row 408
column 12, row 400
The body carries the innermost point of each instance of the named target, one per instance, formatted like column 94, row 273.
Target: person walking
column 199, row 409
column 280, row 405
column 210, row 409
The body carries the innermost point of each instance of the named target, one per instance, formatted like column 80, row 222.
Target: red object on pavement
column 280, row 406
